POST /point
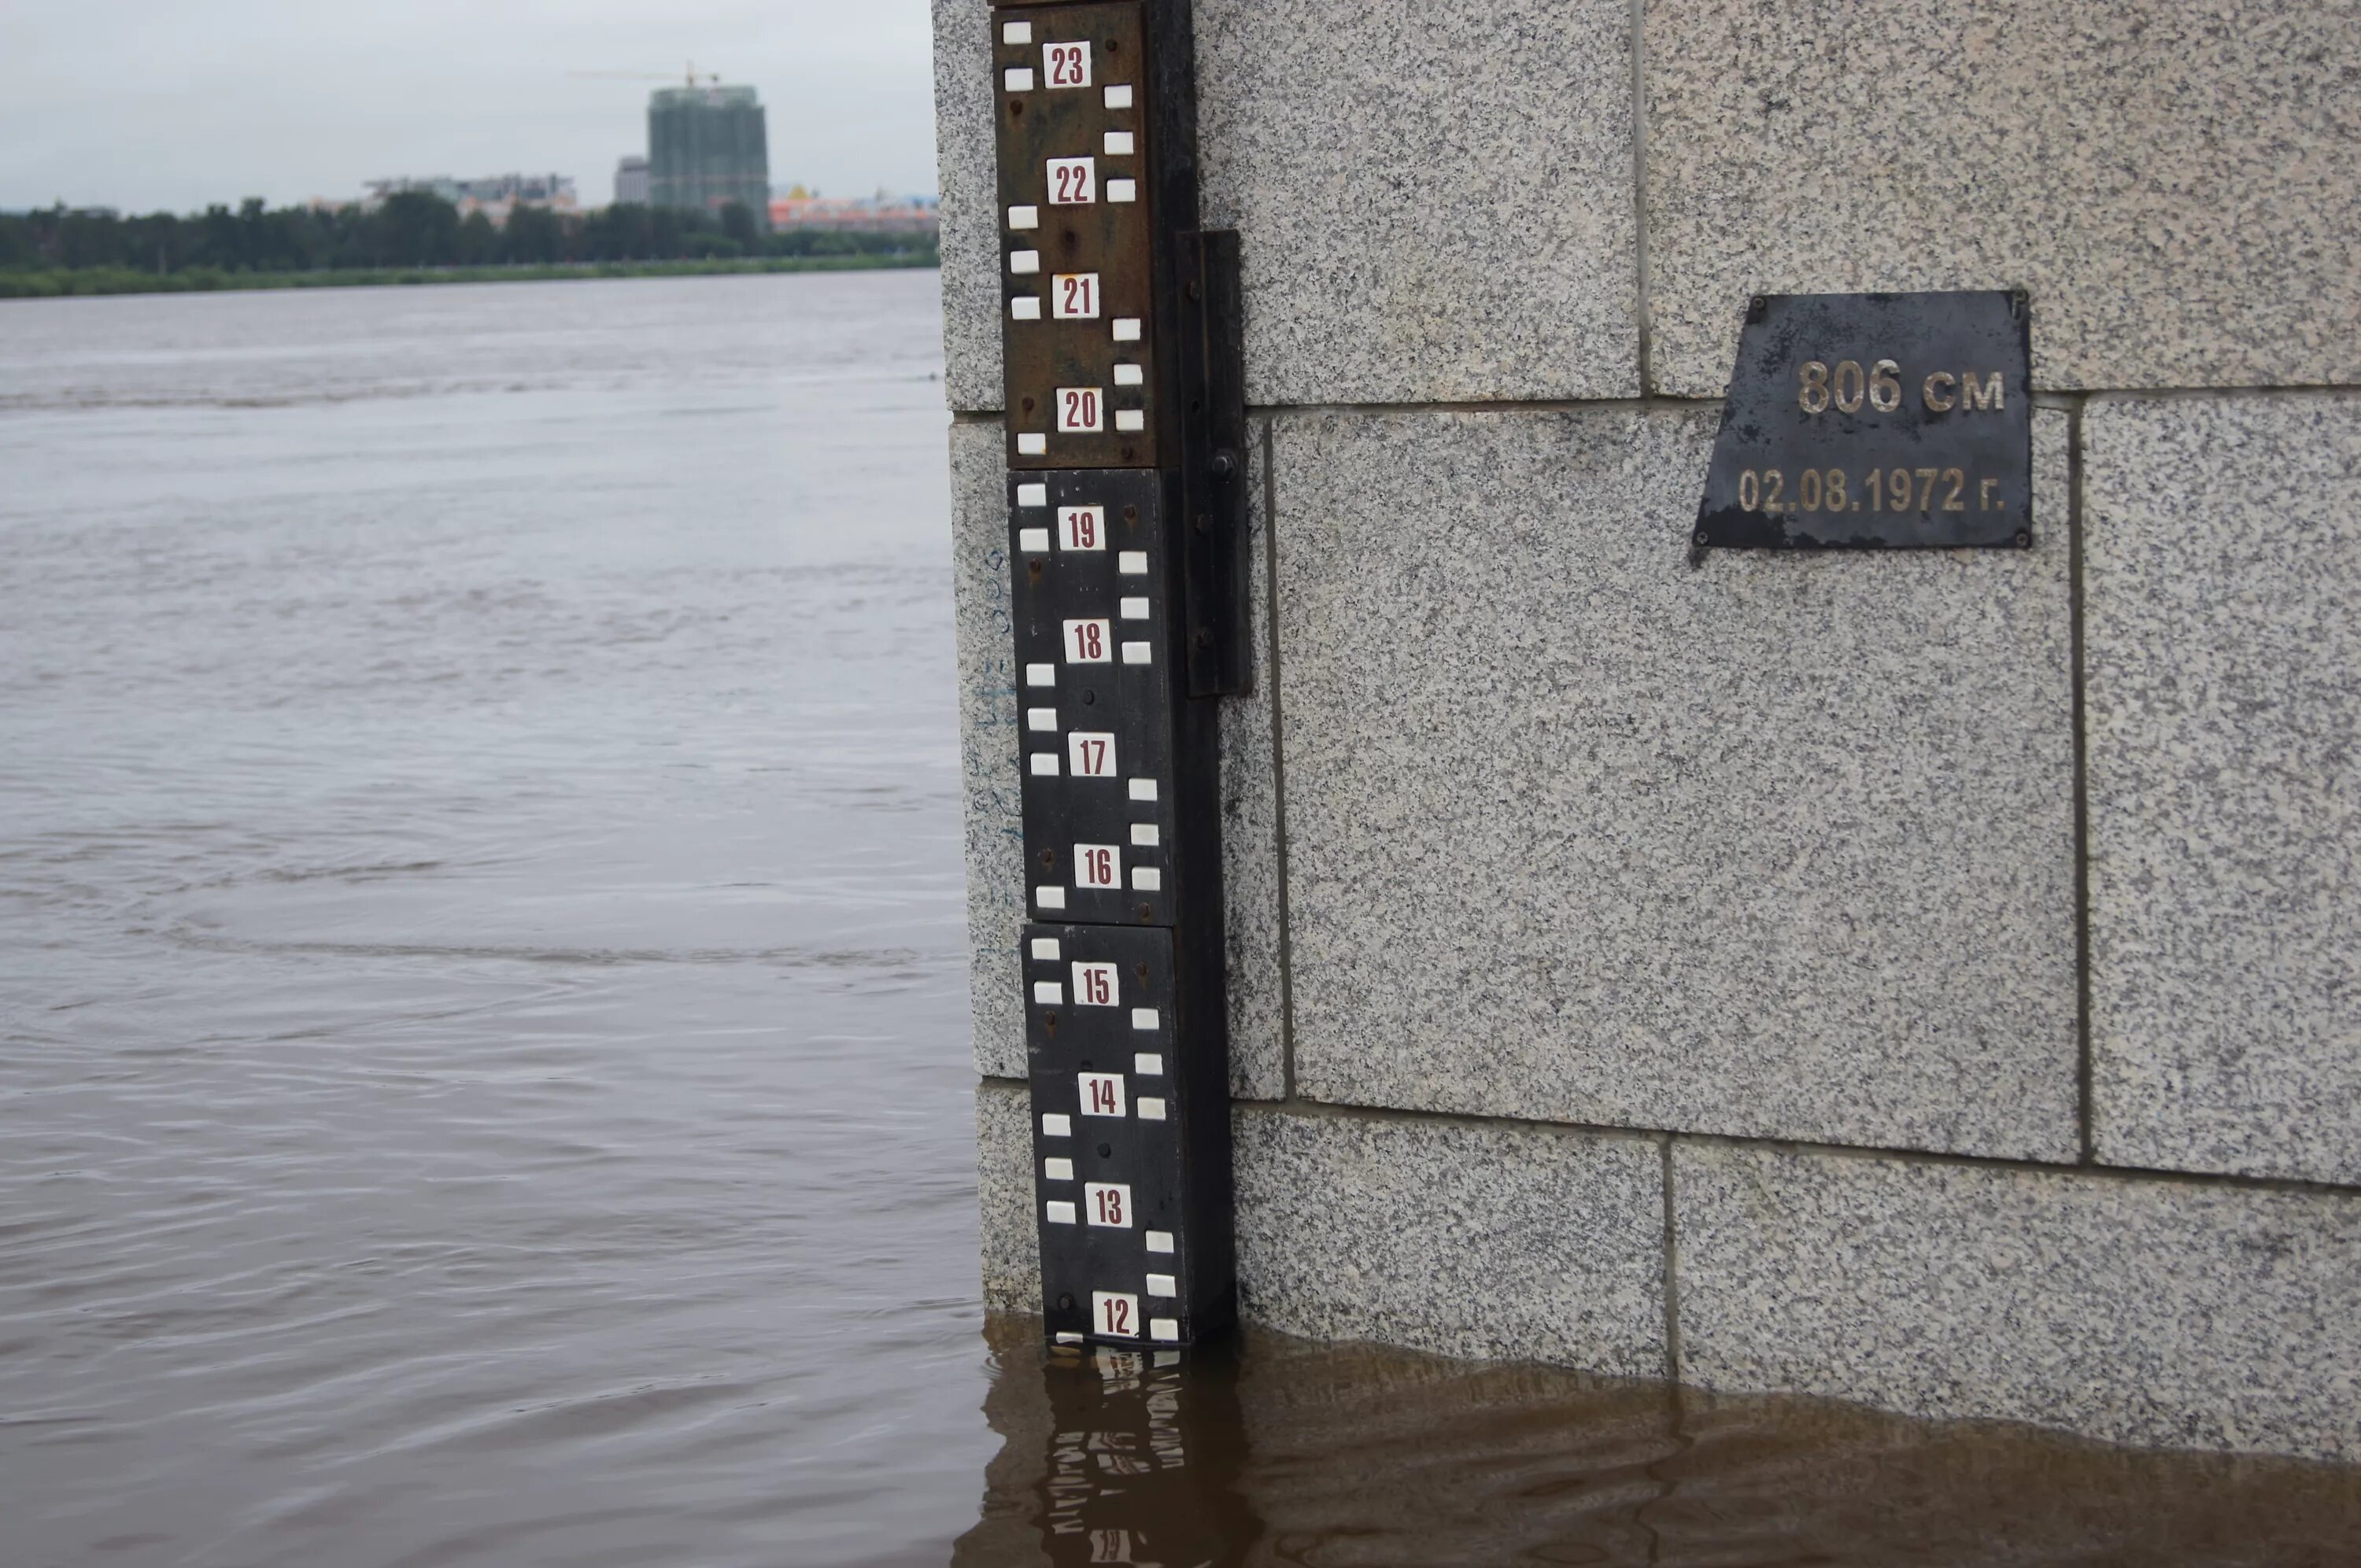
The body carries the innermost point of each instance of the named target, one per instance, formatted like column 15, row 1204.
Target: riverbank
column 61, row 282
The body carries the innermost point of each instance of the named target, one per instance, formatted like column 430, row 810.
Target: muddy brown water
column 483, row 1058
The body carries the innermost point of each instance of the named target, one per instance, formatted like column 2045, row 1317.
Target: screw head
column 1700, row 537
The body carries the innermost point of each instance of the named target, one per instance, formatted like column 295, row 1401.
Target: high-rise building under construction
column 708, row 147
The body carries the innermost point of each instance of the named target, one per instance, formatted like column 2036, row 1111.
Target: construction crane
column 693, row 75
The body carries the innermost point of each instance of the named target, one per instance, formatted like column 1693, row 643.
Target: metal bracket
column 1214, row 465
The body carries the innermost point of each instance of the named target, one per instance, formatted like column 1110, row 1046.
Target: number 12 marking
column 1115, row 1315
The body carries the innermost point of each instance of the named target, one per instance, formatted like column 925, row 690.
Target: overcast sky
column 174, row 104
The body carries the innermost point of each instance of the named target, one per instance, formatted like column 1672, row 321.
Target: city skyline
column 152, row 108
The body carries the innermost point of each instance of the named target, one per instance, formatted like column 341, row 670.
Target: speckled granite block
column 1436, row 203
column 988, row 747
column 989, row 743
column 965, row 165
column 2220, row 571
column 1003, row 1173
column 1497, row 1241
column 2138, row 1310
column 1780, row 846
column 2172, row 179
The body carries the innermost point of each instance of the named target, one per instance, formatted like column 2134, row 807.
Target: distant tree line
column 411, row 229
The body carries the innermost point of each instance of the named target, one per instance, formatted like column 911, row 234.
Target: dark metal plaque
column 1876, row 421
column 1110, row 1194
column 1077, row 238
column 1091, row 605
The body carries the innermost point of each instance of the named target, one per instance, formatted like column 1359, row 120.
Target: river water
column 483, row 1058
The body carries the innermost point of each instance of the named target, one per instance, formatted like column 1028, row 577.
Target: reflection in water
column 1277, row 1451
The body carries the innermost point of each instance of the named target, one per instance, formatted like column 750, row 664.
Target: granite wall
column 1933, row 981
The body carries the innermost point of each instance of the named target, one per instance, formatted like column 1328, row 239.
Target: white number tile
column 1040, row 674
column 1032, row 446
column 1107, row 1205
column 1018, row 79
column 1151, row 1110
column 1159, row 1241
column 1121, row 192
column 1048, row 993
column 1098, row 865
column 1145, row 835
column 1134, row 609
column 1136, row 654
column 1058, row 1169
column 1017, row 32
column 1032, row 495
column 1098, row 985
column 1146, row 879
column 1060, row 1212
column 1074, row 296
column 1118, row 144
column 1024, row 308
column 1102, row 1093
column 1130, row 376
column 1090, row 756
column 1148, row 1063
column 1087, row 642
column 1163, row 1285
column 1023, row 261
column 1129, row 419
column 1145, row 1018
column 1165, row 1328
column 1044, row 719
column 1032, row 539
column 1067, row 65
column 1132, row 562
column 1085, row 528
column 1118, row 97
column 1045, row 765
column 1113, row 1314
column 1074, row 181
column 1025, row 217
column 1049, row 950
column 1143, row 789
column 1054, row 1125
column 1082, row 410
column 1126, row 328
column 1050, row 897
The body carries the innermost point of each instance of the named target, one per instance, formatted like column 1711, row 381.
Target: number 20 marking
column 1080, row 410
